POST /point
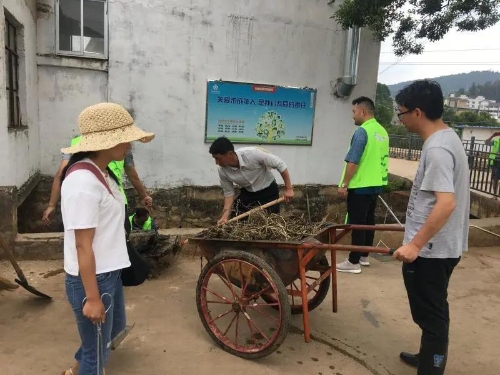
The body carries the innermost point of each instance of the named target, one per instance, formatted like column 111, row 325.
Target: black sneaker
column 409, row 359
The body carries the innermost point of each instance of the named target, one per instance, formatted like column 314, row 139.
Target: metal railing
column 405, row 147
column 484, row 172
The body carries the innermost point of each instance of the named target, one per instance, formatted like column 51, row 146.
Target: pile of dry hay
column 261, row 226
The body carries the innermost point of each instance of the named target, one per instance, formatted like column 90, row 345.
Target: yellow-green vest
column 373, row 168
column 146, row 226
column 118, row 167
column 495, row 150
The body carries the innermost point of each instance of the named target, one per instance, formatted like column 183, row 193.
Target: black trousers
column 247, row 200
column 426, row 281
column 361, row 210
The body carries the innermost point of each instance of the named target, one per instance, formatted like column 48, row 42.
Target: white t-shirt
column 86, row 203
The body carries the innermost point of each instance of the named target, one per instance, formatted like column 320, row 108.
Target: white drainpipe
column 344, row 86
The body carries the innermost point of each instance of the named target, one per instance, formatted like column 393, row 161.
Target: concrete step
column 42, row 246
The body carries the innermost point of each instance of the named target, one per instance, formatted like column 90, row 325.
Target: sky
column 457, row 52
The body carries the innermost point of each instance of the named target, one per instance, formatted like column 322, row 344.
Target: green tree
column 384, row 110
column 490, row 90
column 473, row 118
column 449, row 116
column 413, row 22
column 396, row 130
column 473, row 90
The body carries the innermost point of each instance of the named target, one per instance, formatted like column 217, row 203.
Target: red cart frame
column 307, row 251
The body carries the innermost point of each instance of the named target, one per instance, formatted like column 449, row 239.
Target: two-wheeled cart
column 248, row 290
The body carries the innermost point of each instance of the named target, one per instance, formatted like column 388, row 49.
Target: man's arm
column 445, row 205
column 273, row 161
column 288, row 185
column 54, row 193
column 488, row 140
column 349, row 173
column 228, row 189
column 226, row 211
column 353, row 158
column 132, row 175
column 438, row 179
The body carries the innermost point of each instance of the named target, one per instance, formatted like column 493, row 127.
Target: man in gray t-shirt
column 443, row 168
column 437, row 222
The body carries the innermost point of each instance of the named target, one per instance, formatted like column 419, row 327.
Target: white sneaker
column 347, row 266
column 364, row 261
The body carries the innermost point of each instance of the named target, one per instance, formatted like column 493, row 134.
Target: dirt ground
column 365, row 337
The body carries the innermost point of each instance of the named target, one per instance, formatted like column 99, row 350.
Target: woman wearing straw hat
column 93, row 211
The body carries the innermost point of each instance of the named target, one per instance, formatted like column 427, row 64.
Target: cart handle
column 340, row 247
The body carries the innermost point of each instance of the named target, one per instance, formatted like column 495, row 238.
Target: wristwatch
column 342, row 185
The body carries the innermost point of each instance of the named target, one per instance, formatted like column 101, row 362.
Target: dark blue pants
column 110, row 285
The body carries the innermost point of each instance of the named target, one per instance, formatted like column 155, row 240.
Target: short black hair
column 141, row 212
column 221, row 146
column 366, row 101
column 425, row 95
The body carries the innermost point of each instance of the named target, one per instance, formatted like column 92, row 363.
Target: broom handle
column 248, row 213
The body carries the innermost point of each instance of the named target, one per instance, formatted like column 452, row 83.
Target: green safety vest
column 495, row 149
column 118, row 167
column 146, row 226
column 373, row 168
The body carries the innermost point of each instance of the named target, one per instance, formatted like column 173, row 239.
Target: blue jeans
column 108, row 282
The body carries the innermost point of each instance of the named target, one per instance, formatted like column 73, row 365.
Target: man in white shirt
column 250, row 169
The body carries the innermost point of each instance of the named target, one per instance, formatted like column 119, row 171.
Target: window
column 12, row 74
column 82, row 28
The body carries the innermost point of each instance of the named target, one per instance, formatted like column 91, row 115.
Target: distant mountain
column 455, row 82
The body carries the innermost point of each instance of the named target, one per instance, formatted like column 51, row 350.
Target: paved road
column 364, row 337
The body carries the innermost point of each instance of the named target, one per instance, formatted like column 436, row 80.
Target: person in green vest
column 141, row 220
column 118, row 167
column 494, row 160
column 363, row 178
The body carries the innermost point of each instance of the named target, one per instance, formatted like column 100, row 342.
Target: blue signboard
column 262, row 114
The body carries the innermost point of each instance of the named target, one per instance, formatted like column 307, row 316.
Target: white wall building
column 480, row 133
column 463, row 101
column 19, row 130
column 480, row 103
column 154, row 57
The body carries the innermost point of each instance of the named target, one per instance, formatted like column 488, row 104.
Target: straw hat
column 104, row 126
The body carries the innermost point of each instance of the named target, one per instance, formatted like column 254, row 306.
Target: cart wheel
column 315, row 296
column 227, row 297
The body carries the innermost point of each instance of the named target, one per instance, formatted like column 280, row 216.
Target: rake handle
column 253, row 210
column 12, row 260
column 248, row 213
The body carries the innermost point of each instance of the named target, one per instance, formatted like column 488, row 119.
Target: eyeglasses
column 404, row 113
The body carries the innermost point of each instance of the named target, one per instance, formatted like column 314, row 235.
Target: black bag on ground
column 139, row 270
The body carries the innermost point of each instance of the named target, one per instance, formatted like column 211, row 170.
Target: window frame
column 13, row 76
column 82, row 52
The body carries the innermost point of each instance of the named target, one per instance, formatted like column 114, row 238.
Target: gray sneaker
column 347, row 266
column 364, row 261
